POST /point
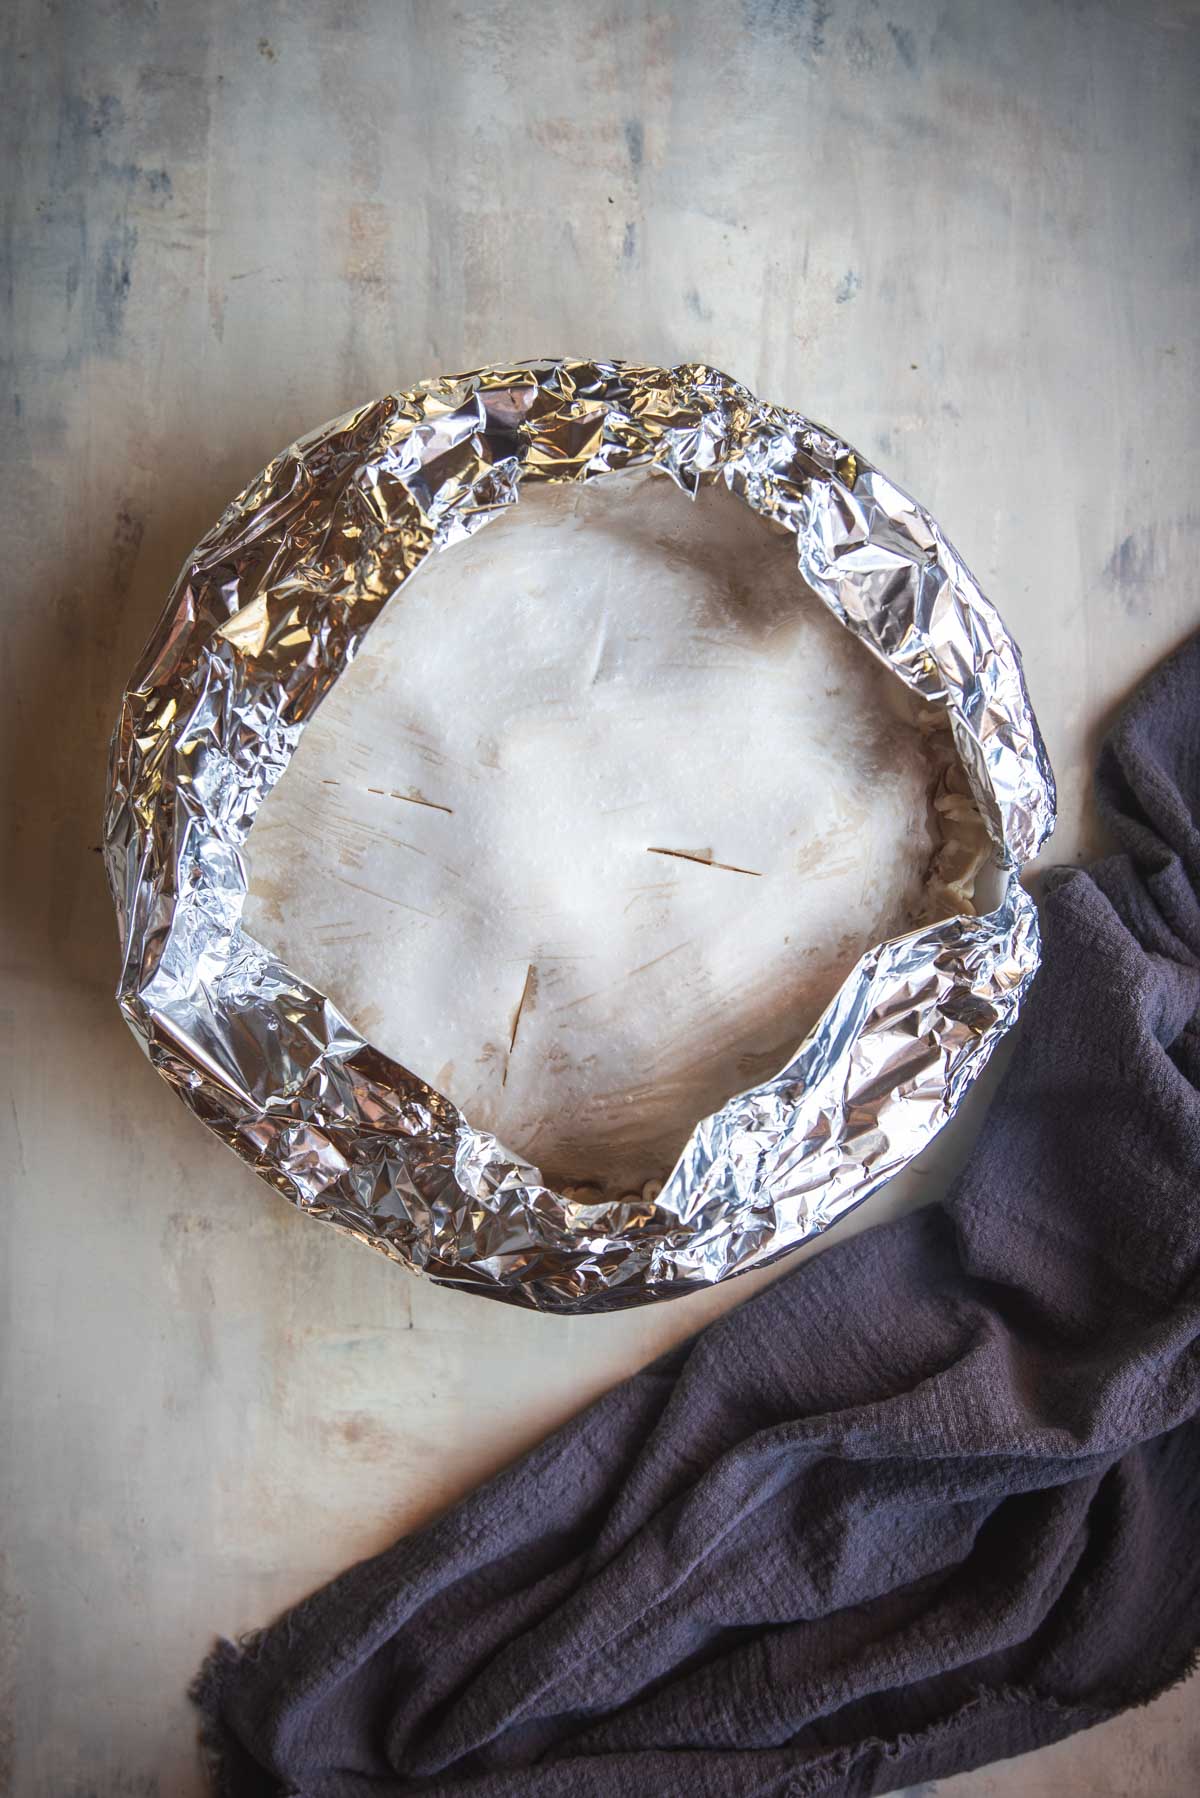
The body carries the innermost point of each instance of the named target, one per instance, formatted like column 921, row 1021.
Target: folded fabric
column 930, row 1500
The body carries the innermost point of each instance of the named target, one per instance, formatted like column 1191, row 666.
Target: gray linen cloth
column 932, row 1499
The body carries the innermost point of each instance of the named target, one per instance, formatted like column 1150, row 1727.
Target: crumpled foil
column 266, row 613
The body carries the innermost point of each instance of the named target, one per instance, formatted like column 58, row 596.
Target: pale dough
column 468, row 853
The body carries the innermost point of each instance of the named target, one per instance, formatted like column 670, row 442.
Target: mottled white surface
column 963, row 234
column 480, row 849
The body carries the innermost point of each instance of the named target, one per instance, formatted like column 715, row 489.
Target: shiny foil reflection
column 267, row 612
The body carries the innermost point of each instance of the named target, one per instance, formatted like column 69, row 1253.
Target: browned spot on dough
column 409, row 798
column 528, row 997
column 420, row 799
column 705, row 861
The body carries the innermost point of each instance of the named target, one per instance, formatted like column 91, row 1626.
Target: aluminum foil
column 267, row 612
